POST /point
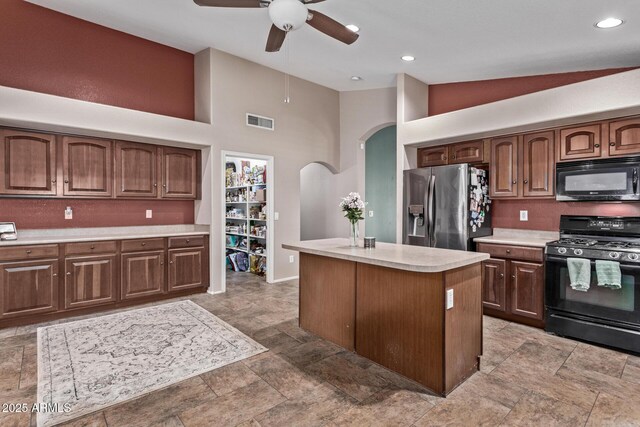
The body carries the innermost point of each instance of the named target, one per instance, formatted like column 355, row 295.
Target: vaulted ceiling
column 452, row 40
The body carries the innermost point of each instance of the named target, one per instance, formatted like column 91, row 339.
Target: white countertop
column 509, row 236
column 403, row 257
column 66, row 235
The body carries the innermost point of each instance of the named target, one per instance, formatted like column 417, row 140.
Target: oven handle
column 564, row 260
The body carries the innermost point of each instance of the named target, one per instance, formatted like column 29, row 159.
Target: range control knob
column 562, row 251
column 614, row 255
column 633, row 257
column 577, row 251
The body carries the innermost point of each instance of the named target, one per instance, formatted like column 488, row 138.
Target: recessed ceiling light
column 353, row 28
column 356, row 78
column 609, row 23
column 408, row 58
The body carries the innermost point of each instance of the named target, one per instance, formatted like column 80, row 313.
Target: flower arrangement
column 353, row 208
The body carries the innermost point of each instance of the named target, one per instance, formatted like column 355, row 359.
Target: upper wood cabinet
column 538, row 165
column 136, row 170
column 464, row 152
column 522, row 166
column 580, row 142
column 28, row 162
column 179, row 173
column 87, row 167
column 503, row 169
column 436, row 156
column 624, row 137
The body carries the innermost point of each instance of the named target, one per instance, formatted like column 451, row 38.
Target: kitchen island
column 414, row 310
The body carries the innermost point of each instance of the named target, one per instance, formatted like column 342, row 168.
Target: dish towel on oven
column 609, row 274
column 579, row 273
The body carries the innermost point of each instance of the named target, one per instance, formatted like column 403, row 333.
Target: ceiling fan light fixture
column 408, row 58
column 288, row 15
column 356, row 78
column 609, row 23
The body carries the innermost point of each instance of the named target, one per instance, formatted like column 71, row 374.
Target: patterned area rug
column 90, row 364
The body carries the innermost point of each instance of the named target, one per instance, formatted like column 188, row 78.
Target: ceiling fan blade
column 229, row 3
column 312, row 1
column 331, row 27
column 275, row 40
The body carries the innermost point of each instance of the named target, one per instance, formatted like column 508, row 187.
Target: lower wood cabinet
column 90, row 281
column 185, row 268
column 142, row 274
column 28, row 288
column 513, row 289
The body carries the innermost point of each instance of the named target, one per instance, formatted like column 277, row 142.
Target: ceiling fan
column 287, row 16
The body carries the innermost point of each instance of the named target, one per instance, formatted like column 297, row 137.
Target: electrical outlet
column 149, row 213
column 370, row 214
column 291, row 258
column 449, row 299
column 362, row 146
column 276, row 216
column 68, row 213
column 524, row 215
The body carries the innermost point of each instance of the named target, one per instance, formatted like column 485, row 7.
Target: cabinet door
column 467, row 152
column 538, row 165
column 142, row 274
column 624, row 137
column 28, row 163
column 90, row 281
column 185, row 268
column 28, row 288
column 179, row 173
column 581, row 142
column 494, row 294
column 87, row 167
column 527, row 289
column 136, row 173
column 503, row 170
column 436, row 156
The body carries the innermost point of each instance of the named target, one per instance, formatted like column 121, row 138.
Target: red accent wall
column 46, row 51
column 49, row 213
column 545, row 214
column 444, row 98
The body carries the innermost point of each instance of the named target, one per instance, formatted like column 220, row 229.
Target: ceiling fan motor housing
column 288, row 15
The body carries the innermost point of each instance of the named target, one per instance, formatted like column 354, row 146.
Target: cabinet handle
column 453, row 157
column 613, row 144
column 508, row 251
column 93, row 247
column 68, row 273
column 513, row 276
column 187, row 240
column 66, row 181
column 170, row 262
column 164, row 185
column 161, row 262
column 444, row 157
column 55, row 274
column 53, row 181
column 155, row 185
column 515, row 182
column 526, row 181
column 501, row 275
column 144, row 244
column 597, row 145
column 28, row 252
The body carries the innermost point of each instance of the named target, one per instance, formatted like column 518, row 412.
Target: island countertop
column 403, row 257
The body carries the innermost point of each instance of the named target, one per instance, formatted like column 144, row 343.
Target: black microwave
column 598, row 180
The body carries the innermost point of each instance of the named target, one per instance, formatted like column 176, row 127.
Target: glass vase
column 353, row 235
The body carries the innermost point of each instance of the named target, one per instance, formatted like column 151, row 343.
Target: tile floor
column 527, row 378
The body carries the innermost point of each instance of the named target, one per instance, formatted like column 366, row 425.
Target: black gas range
column 601, row 315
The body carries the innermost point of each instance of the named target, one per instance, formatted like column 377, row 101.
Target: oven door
column 597, row 181
column 618, row 306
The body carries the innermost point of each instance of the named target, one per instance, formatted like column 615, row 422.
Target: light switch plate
column 276, row 216
column 291, row 258
column 449, row 299
column 524, row 215
column 149, row 213
column 370, row 214
column 68, row 213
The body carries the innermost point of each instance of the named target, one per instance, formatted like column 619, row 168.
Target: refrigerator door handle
column 427, row 207
column 432, row 211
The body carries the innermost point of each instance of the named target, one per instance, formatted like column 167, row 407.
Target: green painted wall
column 380, row 185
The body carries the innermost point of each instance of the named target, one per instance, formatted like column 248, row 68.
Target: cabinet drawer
column 142, row 245
column 511, row 252
column 28, row 252
column 186, row 242
column 90, row 248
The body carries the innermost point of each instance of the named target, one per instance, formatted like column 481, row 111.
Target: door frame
column 270, row 211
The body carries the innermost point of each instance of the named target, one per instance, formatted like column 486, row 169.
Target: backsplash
column 49, row 213
column 545, row 214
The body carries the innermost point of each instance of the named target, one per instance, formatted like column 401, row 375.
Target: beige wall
column 362, row 113
column 306, row 131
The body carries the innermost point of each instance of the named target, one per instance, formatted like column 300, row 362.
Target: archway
column 317, row 211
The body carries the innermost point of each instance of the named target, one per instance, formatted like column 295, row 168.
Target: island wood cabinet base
column 397, row 318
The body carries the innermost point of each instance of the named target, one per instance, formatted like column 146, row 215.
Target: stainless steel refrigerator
column 446, row 206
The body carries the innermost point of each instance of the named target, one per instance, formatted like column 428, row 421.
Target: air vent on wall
column 256, row 121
